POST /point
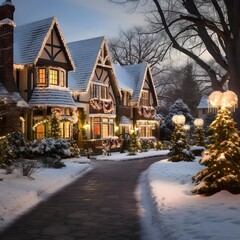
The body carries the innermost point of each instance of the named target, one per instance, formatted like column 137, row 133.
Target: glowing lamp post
column 223, row 100
column 179, row 119
column 198, row 122
column 186, row 127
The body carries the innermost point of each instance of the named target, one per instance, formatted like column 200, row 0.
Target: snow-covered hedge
column 49, row 147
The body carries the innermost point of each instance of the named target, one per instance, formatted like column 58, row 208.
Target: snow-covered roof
column 12, row 98
column 85, row 55
column 125, row 121
column 132, row 77
column 30, row 40
column 203, row 104
column 124, row 79
column 53, row 96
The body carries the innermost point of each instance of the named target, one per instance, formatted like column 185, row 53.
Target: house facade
column 139, row 100
column 95, row 90
column 41, row 65
column 78, row 82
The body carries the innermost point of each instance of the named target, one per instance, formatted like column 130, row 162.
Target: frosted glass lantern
column 179, row 119
column 198, row 122
column 229, row 99
column 215, row 99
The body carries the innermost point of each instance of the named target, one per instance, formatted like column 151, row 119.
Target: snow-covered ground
column 18, row 194
column 170, row 211
column 116, row 156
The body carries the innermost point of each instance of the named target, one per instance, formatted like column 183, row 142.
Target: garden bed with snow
column 175, row 213
column 19, row 194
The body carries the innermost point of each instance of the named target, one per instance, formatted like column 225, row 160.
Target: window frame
column 145, row 100
column 105, row 125
column 60, row 76
column 42, row 133
column 99, row 91
column 39, row 76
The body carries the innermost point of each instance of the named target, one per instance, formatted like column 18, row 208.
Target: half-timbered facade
column 41, row 65
column 95, row 89
column 139, row 100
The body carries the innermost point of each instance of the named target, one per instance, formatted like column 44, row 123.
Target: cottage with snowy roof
column 95, row 90
column 41, row 64
column 202, row 108
column 139, row 100
column 36, row 65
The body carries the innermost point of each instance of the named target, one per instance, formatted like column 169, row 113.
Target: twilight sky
column 78, row 19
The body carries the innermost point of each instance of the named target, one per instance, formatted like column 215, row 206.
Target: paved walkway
column 100, row 205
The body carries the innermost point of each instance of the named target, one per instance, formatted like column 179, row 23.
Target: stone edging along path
column 100, row 205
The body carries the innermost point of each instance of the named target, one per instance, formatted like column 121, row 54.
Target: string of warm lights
column 39, row 123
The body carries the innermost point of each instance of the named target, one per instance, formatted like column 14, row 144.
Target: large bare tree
column 138, row 45
column 202, row 30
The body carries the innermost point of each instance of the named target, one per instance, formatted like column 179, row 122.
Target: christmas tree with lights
column 55, row 131
column 222, row 158
column 199, row 136
column 133, row 145
column 180, row 149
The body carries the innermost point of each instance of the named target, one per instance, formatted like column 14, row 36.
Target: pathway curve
column 99, row 205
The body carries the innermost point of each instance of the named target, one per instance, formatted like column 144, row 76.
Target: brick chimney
column 6, row 45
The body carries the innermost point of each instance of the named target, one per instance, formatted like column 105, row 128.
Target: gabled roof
column 85, row 54
column 30, row 40
column 53, row 96
column 133, row 77
column 203, row 104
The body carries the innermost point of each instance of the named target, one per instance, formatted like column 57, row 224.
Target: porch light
column 86, row 125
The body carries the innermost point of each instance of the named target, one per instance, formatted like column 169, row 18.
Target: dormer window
column 99, row 91
column 51, row 76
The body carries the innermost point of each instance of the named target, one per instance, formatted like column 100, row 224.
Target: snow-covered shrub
column 17, row 144
column 177, row 108
column 158, row 145
column 74, row 149
column 6, row 157
column 197, row 150
column 48, row 147
column 145, row 144
column 27, row 167
column 49, row 162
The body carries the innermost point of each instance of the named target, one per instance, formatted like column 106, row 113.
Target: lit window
column 99, row 91
column 103, row 128
column 42, row 76
column 61, row 79
column 53, row 77
column 96, row 130
column 145, row 132
column 145, row 98
column 40, row 131
column 65, row 129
